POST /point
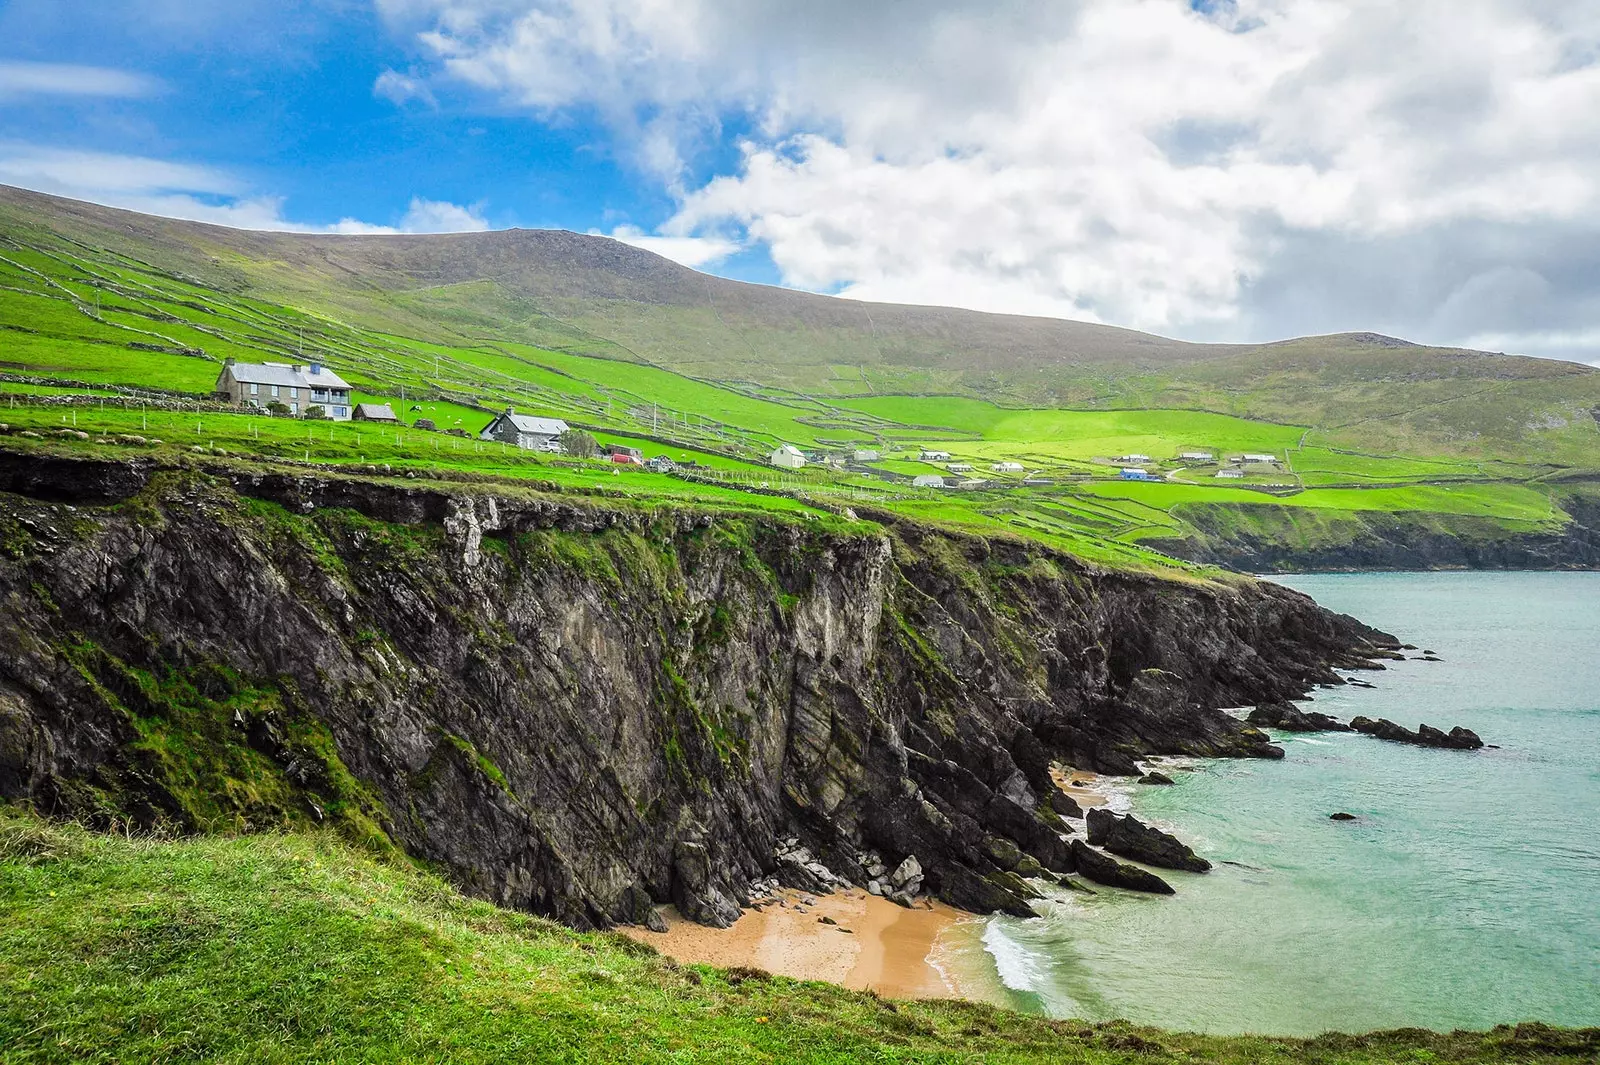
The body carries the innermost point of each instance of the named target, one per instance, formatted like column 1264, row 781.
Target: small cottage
column 1196, row 456
column 1133, row 473
column 1261, row 458
column 525, row 431
column 865, row 454
column 959, row 467
column 935, row 456
column 927, row 480
column 1007, row 467
column 787, row 457
column 1232, row 475
column 375, row 412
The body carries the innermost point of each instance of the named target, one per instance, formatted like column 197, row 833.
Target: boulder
column 1131, row 838
column 1013, row 883
column 906, row 871
column 1065, row 804
column 655, row 921
column 1341, row 816
column 1458, row 738
column 1290, row 718
column 1104, row 869
column 1153, row 777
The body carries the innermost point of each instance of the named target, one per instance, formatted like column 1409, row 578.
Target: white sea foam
column 1020, row 969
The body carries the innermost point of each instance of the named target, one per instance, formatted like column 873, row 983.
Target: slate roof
column 375, row 412
column 284, row 375
column 526, row 423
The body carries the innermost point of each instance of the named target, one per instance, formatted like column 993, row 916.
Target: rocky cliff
column 583, row 709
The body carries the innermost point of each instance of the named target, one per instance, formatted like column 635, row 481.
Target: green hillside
column 300, row 948
column 110, row 323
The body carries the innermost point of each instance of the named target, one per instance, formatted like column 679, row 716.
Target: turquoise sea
column 1466, row 895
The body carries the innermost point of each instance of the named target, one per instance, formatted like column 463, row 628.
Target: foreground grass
column 298, row 948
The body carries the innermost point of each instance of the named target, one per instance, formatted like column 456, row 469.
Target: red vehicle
column 626, row 456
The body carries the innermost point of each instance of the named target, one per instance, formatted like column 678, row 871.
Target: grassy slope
column 299, row 948
column 74, row 298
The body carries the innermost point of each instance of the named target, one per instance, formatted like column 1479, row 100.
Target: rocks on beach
column 1458, row 738
column 1132, row 838
column 1154, row 777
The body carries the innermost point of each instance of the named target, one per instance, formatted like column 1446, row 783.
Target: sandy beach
column 1084, row 787
column 874, row 944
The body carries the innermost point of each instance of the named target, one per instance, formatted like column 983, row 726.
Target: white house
column 935, row 456
column 927, row 480
column 1007, row 467
column 865, row 454
column 1232, row 475
column 1261, row 458
column 1134, row 460
column 296, row 386
column 1196, row 456
column 523, row 430
column 959, row 467
column 787, row 456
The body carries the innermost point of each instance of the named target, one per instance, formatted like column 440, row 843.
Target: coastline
column 873, row 944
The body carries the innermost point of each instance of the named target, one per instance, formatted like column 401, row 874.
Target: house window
column 294, row 408
column 294, row 393
column 255, row 390
column 338, row 412
column 274, row 391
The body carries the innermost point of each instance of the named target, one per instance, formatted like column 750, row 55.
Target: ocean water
column 1466, row 895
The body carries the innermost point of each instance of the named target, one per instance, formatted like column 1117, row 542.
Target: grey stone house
column 294, row 385
column 523, row 430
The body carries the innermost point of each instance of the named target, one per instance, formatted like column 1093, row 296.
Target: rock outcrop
column 1458, row 738
column 1290, row 718
column 1132, row 838
column 1104, row 869
column 585, row 709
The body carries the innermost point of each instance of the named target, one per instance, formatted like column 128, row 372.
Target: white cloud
column 197, row 193
column 400, row 89
column 65, row 79
column 434, row 216
column 690, row 251
column 1135, row 161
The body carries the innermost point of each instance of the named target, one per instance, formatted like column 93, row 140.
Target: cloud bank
column 197, row 193
column 1210, row 169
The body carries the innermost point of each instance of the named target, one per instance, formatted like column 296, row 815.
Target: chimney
column 228, row 361
column 510, row 411
column 296, row 367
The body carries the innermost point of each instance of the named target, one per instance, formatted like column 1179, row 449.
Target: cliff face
column 584, row 711
column 1292, row 540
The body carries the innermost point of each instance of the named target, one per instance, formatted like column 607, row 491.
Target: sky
column 1230, row 170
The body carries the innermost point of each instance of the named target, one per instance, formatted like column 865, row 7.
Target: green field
column 289, row 948
column 113, row 327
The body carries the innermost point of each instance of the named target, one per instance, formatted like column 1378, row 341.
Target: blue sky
column 1220, row 171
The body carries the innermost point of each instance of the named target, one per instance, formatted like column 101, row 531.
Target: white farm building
column 927, row 480
column 935, row 456
column 1007, row 467
column 788, row 457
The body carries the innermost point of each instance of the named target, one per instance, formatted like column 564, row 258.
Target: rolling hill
column 1450, row 456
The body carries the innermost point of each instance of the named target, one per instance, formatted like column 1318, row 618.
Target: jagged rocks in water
column 1341, row 816
column 1104, row 869
column 1132, row 838
column 1154, row 777
column 1290, row 718
column 1458, row 738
